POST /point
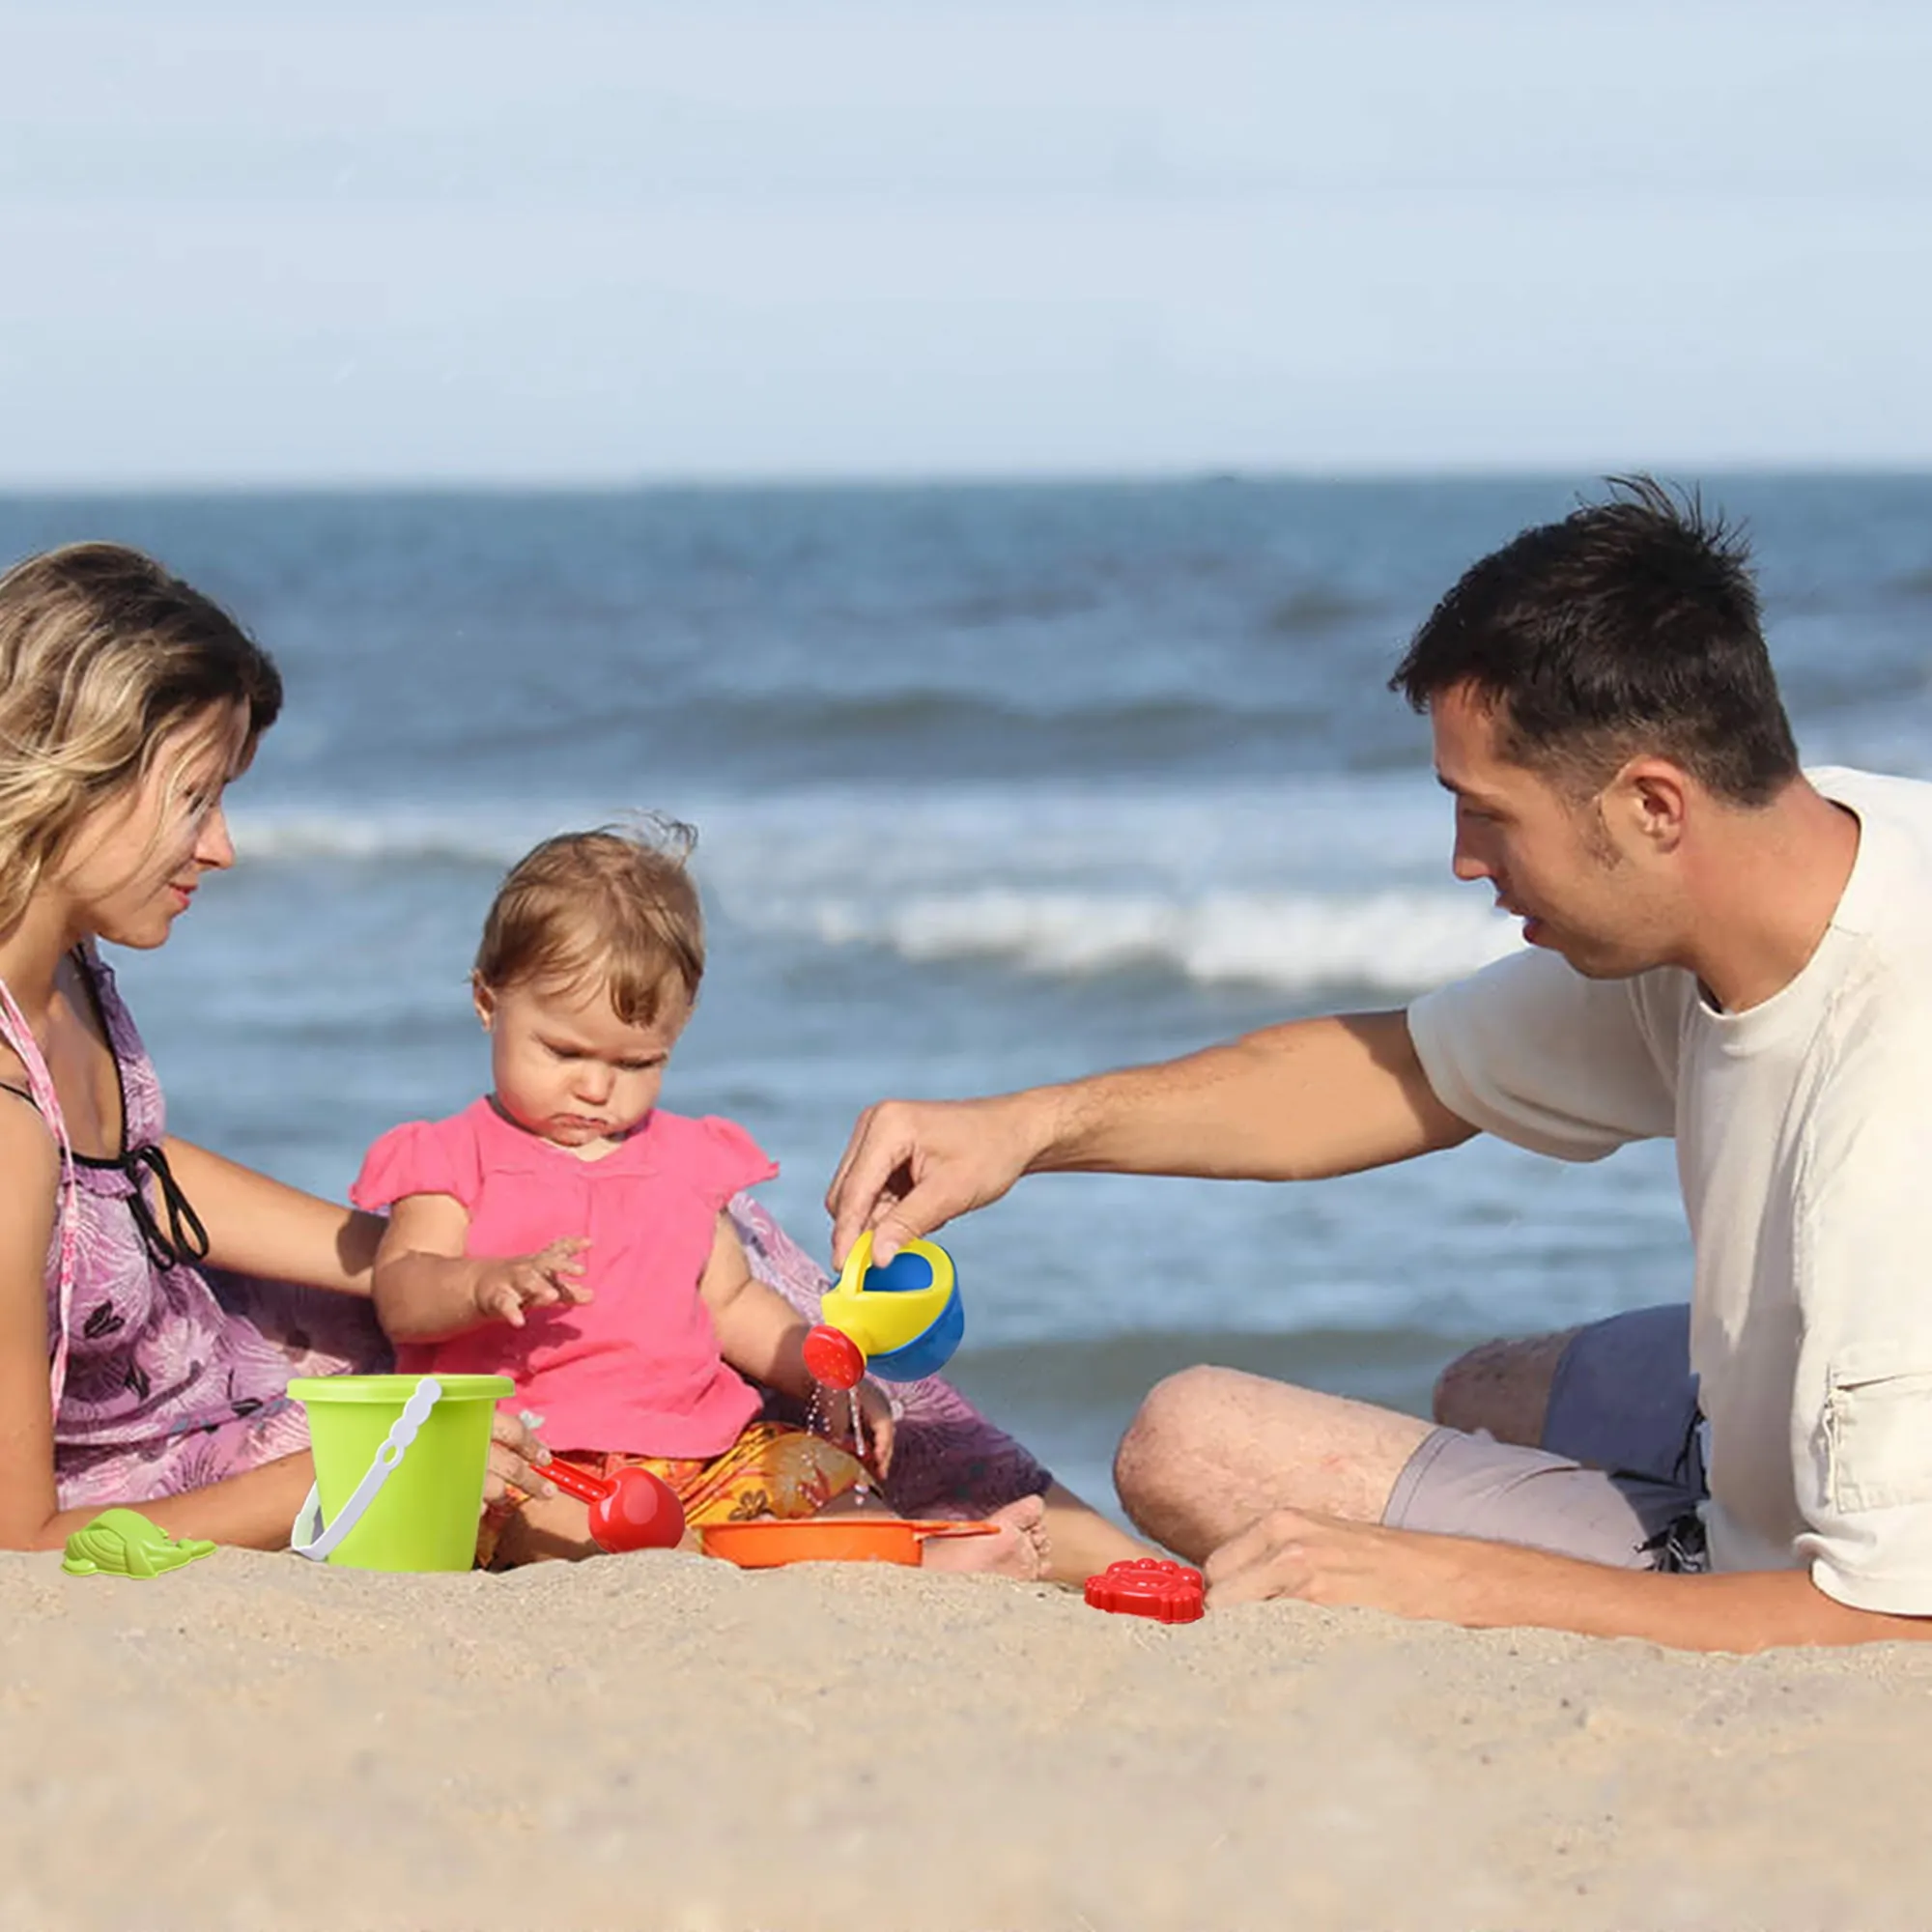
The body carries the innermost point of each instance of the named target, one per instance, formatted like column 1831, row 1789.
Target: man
column 1720, row 949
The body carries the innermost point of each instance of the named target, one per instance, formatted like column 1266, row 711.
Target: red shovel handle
column 575, row 1481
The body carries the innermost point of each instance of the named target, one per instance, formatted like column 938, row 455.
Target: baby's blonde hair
column 615, row 904
column 102, row 655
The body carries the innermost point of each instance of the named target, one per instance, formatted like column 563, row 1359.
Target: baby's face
column 567, row 1068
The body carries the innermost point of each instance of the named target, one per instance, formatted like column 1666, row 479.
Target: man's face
column 1556, row 862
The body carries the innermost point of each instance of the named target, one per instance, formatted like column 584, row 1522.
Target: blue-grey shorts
column 1619, row 1476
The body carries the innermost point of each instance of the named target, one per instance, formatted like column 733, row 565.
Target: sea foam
column 1340, row 882
column 1391, row 942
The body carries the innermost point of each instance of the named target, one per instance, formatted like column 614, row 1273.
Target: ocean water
column 993, row 786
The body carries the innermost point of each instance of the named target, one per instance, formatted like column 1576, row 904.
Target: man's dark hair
column 1631, row 626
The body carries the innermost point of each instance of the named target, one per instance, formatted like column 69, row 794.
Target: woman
column 130, row 1372
column 127, row 702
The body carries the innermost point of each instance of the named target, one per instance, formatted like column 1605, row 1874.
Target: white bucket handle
column 309, row 1537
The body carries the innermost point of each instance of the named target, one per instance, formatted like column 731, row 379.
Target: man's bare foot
column 1020, row 1550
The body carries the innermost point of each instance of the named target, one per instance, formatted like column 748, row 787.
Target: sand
column 660, row 1741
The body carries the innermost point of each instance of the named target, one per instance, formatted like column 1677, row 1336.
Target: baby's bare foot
column 1019, row 1550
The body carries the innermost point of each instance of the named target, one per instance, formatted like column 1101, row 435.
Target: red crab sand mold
column 1146, row 1586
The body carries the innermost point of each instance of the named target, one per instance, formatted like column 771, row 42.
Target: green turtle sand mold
column 123, row 1543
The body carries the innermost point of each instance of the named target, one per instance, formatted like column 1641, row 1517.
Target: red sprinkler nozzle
column 833, row 1359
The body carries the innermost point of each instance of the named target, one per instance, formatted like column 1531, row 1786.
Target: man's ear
column 1655, row 796
column 484, row 1000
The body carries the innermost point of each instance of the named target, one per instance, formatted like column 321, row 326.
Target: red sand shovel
column 632, row 1510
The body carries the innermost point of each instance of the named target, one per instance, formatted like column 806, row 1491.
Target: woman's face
column 132, row 868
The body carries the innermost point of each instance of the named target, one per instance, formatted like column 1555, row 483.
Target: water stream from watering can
column 821, row 1418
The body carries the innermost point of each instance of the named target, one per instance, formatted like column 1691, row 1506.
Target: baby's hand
column 873, row 1426
column 505, row 1288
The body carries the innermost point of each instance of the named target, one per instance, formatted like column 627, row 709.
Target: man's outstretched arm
column 1292, row 1102
column 1490, row 1585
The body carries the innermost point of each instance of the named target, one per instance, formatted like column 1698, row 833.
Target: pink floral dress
column 164, row 1376
column 167, row 1375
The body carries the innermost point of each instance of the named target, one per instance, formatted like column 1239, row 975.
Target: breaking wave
column 1393, row 942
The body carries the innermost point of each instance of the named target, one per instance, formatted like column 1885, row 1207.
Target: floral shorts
column 772, row 1470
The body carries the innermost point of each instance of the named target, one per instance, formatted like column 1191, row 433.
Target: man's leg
column 1616, row 1479
column 1502, row 1387
column 1617, row 1394
column 1213, row 1449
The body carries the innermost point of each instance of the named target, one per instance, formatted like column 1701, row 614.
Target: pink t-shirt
column 637, row 1370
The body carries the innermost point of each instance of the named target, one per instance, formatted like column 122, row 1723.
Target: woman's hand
column 517, row 1454
column 553, row 1274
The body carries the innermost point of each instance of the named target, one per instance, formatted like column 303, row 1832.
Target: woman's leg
column 280, row 1331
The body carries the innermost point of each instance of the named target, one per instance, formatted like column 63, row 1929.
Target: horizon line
column 1072, row 476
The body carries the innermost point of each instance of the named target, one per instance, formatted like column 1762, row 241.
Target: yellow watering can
column 902, row 1321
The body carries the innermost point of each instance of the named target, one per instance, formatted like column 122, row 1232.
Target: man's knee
column 1158, row 1457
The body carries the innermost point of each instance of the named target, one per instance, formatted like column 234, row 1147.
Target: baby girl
column 568, row 1232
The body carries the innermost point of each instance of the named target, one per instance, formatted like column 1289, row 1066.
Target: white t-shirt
column 1803, row 1131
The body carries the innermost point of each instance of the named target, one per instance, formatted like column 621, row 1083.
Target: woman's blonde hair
column 615, row 904
column 102, row 655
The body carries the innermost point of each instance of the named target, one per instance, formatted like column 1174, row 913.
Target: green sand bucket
column 399, row 1469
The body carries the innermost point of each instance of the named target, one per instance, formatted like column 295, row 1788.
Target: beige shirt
column 1803, row 1131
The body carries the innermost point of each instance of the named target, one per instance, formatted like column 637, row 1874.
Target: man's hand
column 1461, row 1580
column 553, row 1274
column 912, row 1165
column 1292, row 1102
column 1325, row 1559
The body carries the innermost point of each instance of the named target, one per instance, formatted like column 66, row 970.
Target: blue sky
column 577, row 242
